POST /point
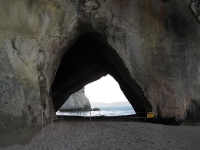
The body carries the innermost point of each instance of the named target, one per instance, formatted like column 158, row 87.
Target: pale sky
column 105, row 90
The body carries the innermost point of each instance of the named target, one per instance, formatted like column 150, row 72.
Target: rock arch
column 89, row 59
column 155, row 45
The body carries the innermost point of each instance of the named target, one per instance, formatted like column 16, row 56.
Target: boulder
column 77, row 102
column 95, row 109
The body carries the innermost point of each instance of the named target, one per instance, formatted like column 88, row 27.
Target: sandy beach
column 104, row 135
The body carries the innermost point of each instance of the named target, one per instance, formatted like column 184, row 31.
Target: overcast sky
column 105, row 90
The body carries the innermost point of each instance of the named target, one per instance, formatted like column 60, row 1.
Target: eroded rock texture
column 76, row 102
column 151, row 47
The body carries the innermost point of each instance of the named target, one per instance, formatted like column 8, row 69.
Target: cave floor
column 80, row 135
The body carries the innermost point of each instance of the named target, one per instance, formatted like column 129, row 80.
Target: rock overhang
column 88, row 60
column 157, row 42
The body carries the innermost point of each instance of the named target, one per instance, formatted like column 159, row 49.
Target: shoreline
column 123, row 118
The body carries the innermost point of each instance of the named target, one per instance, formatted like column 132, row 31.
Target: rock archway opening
column 88, row 60
column 106, row 95
column 105, row 90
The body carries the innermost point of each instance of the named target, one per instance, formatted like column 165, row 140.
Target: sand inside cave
column 80, row 135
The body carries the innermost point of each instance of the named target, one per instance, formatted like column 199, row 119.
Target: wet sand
column 112, row 134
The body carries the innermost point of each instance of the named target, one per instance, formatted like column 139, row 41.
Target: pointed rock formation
column 77, row 101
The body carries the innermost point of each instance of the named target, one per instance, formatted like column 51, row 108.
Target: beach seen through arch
column 106, row 95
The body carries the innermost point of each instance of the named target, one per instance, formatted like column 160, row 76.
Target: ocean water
column 104, row 111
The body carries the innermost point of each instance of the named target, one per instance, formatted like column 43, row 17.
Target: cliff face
column 77, row 101
column 150, row 47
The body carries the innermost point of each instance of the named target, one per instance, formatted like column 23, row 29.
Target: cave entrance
column 88, row 60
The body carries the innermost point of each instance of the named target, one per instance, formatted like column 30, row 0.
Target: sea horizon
column 104, row 111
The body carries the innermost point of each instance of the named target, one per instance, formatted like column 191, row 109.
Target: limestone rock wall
column 32, row 36
column 158, row 43
column 77, row 101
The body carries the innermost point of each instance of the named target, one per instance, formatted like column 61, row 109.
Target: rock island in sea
column 76, row 102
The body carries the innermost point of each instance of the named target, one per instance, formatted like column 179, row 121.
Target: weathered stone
column 77, row 102
column 51, row 49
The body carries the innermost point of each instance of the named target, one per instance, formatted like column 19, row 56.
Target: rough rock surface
column 77, row 101
column 150, row 47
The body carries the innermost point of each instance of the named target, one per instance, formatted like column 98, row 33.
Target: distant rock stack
column 76, row 102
